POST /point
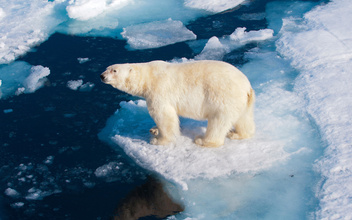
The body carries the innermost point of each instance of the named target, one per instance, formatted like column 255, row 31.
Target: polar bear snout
column 105, row 76
column 102, row 77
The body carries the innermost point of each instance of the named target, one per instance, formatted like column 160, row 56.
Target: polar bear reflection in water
column 203, row 90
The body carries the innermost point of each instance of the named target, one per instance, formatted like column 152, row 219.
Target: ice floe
column 156, row 34
column 20, row 77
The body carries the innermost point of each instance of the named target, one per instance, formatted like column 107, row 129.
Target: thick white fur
column 211, row 90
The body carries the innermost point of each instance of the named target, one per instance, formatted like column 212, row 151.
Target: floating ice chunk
column 214, row 6
column 49, row 160
column 87, row 9
column 39, row 194
column 107, row 169
column 83, row 60
column 34, row 194
column 243, row 37
column 78, row 85
column 109, row 172
column 88, row 86
column 20, row 77
column 12, row 193
column 213, row 50
column 36, row 79
column 156, row 34
column 216, row 48
column 17, row 205
column 74, row 84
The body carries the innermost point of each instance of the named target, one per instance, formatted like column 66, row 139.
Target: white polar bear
column 211, row 90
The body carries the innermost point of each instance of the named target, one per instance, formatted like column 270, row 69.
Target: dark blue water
column 50, row 142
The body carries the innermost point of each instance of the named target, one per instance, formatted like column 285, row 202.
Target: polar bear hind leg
column 244, row 126
column 216, row 132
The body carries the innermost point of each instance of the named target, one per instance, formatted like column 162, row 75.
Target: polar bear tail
column 250, row 98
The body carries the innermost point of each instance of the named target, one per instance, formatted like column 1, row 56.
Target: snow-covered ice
column 87, row 9
column 23, row 25
column 320, row 47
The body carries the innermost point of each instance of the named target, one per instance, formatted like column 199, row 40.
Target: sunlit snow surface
column 300, row 70
column 320, row 47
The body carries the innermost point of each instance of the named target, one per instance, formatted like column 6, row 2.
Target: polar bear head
column 116, row 75
column 124, row 77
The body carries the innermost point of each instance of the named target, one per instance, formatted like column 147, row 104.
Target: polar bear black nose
column 102, row 77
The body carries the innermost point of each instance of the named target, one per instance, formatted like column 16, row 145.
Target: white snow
column 87, row 9
column 23, row 25
column 157, row 34
column 214, row 6
column 320, row 47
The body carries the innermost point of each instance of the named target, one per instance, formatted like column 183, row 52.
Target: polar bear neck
column 137, row 83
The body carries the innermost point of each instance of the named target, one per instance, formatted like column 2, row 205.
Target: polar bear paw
column 154, row 131
column 202, row 142
column 159, row 141
column 236, row 136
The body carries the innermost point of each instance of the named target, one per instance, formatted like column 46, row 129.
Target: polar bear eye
column 115, row 71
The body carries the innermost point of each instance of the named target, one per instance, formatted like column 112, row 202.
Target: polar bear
column 203, row 90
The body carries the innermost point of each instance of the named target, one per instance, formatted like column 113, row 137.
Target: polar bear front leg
column 167, row 128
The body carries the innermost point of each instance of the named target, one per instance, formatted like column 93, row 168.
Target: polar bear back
column 200, row 88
